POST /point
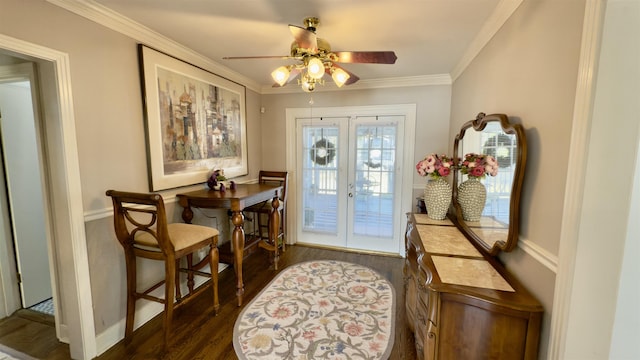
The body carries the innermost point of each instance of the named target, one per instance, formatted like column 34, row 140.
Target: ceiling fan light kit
column 316, row 58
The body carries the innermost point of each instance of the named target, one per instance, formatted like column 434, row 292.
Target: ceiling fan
column 315, row 58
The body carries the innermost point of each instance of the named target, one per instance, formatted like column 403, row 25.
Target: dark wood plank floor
column 32, row 333
column 200, row 335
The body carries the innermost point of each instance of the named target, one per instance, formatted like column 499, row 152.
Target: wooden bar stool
column 141, row 228
column 262, row 212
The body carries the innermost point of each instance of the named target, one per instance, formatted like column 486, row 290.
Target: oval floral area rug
column 319, row 310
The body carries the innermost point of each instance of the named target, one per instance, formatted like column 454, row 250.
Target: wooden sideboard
column 461, row 303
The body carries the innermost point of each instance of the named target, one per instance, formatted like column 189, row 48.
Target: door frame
column 26, row 72
column 406, row 110
column 75, row 324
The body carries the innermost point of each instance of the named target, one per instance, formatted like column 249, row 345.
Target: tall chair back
column 263, row 210
column 141, row 227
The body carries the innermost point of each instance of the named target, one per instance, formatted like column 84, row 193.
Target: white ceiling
column 430, row 37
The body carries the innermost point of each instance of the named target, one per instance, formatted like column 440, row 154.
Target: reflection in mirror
column 494, row 142
column 494, row 135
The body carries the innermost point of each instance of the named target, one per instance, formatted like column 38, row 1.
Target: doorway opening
column 349, row 182
column 23, row 201
column 74, row 321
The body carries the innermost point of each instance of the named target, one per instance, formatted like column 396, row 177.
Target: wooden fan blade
column 306, row 39
column 375, row 57
column 352, row 77
column 256, row 57
column 292, row 76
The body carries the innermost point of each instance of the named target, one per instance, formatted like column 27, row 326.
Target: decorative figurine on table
column 215, row 180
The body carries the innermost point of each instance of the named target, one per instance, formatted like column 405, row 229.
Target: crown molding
column 408, row 81
column 104, row 16
column 499, row 17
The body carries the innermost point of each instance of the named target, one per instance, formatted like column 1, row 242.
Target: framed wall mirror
column 496, row 228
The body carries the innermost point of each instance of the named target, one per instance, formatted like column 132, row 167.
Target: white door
column 24, row 183
column 349, row 181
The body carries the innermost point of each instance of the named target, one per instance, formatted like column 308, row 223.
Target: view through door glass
column 374, row 180
column 320, row 179
column 373, row 185
column 349, row 190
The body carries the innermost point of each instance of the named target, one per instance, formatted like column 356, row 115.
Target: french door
column 349, row 181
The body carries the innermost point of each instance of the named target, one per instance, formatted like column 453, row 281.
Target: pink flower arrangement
column 435, row 166
column 479, row 165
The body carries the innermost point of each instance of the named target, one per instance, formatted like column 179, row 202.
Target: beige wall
column 106, row 93
column 110, row 130
column 109, row 122
column 529, row 72
column 432, row 119
column 606, row 271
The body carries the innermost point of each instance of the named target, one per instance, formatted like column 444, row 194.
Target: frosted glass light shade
column 281, row 75
column 340, row 77
column 315, row 68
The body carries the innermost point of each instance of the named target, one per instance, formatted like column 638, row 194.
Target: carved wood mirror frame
column 486, row 234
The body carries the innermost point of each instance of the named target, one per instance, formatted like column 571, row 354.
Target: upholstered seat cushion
column 181, row 235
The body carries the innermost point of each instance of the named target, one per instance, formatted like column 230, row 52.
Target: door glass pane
column 374, row 180
column 503, row 147
column 320, row 179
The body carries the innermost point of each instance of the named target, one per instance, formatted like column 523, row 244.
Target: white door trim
column 75, row 323
column 406, row 165
column 31, row 230
column 575, row 184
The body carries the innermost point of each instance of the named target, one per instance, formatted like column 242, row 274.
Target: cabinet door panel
column 469, row 332
column 463, row 322
column 410, row 298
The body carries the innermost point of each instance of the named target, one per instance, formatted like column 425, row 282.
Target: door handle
column 350, row 194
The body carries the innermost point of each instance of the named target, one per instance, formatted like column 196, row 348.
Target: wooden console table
column 462, row 304
column 235, row 200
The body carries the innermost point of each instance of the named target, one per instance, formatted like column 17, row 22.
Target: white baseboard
column 146, row 311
